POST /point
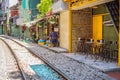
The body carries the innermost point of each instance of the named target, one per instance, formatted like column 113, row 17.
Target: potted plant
column 40, row 24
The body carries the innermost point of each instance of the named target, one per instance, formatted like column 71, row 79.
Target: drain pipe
column 119, row 39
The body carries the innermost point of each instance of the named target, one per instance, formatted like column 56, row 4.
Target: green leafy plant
column 40, row 24
column 44, row 6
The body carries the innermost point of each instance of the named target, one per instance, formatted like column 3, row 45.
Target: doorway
column 97, row 27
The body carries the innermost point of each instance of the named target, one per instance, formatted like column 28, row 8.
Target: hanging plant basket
column 52, row 20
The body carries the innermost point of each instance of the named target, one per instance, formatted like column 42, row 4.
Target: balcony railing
column 66, row 0
column 80, row 4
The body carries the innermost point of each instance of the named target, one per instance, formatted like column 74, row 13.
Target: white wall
column 12, row 2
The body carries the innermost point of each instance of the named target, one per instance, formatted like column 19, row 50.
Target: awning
column 29, row 24
column 59, row 6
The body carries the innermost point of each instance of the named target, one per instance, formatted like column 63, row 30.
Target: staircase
column 113, row 8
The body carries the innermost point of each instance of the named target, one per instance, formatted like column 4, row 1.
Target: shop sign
column 14, row 13
column 59, row 6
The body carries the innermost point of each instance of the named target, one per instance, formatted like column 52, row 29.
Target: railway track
column 9, row 68
column 25, row 63
column 64, row 65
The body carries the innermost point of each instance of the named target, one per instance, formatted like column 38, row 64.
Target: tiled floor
column 102, row 65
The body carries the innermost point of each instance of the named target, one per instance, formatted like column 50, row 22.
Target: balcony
column 80, row 4
column 59, row 6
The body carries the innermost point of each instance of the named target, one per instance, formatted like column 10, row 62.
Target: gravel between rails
column 72, row 68
column 8, row 66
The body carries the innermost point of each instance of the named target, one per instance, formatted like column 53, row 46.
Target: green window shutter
column 24, row 4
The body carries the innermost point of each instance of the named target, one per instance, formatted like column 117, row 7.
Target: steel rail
column 63, row 75
column 17, row 61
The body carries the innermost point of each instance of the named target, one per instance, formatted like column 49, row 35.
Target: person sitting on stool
column 53, row 38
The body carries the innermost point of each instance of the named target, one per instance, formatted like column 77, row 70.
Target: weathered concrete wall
column 64, row 18
column 81, row 26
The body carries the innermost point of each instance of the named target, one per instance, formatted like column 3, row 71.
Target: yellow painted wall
column 97, row 27
column 64, row 20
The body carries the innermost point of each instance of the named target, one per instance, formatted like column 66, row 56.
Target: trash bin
column 41, row 42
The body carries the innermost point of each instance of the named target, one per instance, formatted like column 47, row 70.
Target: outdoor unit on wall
column 59, row 6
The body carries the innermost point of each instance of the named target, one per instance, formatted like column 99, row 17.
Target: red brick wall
column 81, row 26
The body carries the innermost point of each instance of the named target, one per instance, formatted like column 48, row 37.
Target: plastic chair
column 80, row 45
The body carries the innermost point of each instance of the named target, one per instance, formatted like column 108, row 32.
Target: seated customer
column 53, row 38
